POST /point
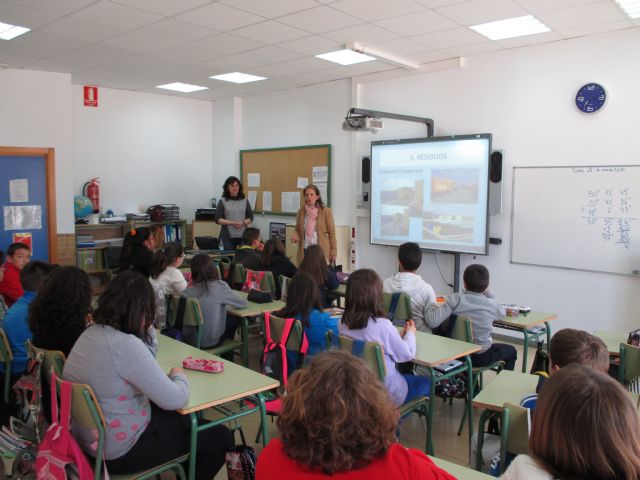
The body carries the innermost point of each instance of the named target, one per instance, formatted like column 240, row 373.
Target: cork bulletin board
column 273, row 179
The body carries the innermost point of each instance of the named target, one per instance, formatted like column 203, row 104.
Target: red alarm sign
column 90, row 96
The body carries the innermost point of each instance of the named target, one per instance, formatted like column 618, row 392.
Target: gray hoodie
column 420, row 292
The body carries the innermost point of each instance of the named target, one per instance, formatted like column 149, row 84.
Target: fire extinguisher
column 91, row 189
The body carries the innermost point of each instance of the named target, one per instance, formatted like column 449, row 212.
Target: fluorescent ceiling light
column 345, row 57
column 382, row 55
column 511, row 27
column 182, row 87
column 7, row 31
column 237, row 77
column 630, row 7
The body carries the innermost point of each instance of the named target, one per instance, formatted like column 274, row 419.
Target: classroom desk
column 251, row 310
column 458, row 471
column 214, row 389
column 507, row 387
column 612, row 340
column 525, row 323
column 432, row 350
column 340, row 292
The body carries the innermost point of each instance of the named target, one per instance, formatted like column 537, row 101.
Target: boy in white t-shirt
column 409, row 282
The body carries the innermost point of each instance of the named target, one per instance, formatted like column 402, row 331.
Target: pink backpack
column 59, row 455
column 253, row 280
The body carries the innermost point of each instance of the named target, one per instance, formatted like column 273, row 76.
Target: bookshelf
column 92, row 240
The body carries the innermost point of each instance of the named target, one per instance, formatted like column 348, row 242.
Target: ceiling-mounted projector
column 362, row 123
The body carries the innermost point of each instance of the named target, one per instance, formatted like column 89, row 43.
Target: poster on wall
column 19, row 190
column 24, row 237
column 27, row 217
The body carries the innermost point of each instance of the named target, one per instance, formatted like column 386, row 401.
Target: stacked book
column 172, row 233
column 85, row 241
column 90, row 260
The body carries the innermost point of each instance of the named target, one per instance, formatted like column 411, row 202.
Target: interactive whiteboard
column 582, row 218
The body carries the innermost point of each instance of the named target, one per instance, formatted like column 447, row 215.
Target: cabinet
column 92, row 241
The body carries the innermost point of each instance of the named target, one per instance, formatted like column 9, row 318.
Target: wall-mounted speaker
column 365, row 174
column 495, row 182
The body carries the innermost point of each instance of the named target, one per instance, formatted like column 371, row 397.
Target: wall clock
column 590, row 97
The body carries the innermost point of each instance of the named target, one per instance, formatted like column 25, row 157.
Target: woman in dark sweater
column 61, row 310
column 275, row 261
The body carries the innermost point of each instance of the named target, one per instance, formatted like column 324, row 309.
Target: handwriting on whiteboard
column 610, row 210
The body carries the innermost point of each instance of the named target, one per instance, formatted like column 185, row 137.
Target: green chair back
column 284, row 285
column 268, row 283
column 6, row 357
column 403, row 309
column 514, row 435
column 373, row 354
column 629, row 362
column 86, row 412
column 239, row 274
column 276, row 325
column 192, row 315
column 52, row 359
column 462, row 329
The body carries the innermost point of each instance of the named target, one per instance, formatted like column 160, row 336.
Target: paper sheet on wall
column 19, row 190
column 252, row 198
column 24, row 237
column 266, row 201
column 303, row 182
column 320, row 174
column 324, row 194
column 253, row 180
column 290, row 202
column 27, row 217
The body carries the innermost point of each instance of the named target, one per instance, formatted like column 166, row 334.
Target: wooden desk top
column 254, row 309
column 509, row 387
column 433, row 350
column 525, row 322
column 612, row 340
column 211, row 389
column 459, row 471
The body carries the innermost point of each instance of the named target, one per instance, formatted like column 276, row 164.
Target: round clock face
column 590, row 98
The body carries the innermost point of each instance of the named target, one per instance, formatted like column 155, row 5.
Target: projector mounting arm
column 395, row 116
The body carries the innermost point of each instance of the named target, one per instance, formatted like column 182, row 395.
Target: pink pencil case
column 203, row 365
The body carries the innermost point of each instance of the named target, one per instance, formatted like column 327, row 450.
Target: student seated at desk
column 337, row 421
column 363, row 319
column 214, row 295
column 16, row 321
column 477, row 303
column 247, row 253
column 116, row 357
column 572, row 346
column 18, row 255
column 165, row 277
column 303, row 303
column 137, row 250
column 275, row 261
column 315, row 265
column 61, row 310
column 585, row 426
column 409, row 282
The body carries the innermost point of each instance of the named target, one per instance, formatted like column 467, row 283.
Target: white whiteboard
column 583, row 218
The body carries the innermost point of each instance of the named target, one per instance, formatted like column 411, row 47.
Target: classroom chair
column 86, row 412
column 629, row 363
column 462, row 330
column 53, row 359
column 193, row 317
column 6, row 357
column 373, row 355
column 403, row 308
column 276, row 326
column 238, row 275
column 284, row 285
column 112, row 259
column 3, row 307
column 514, row 433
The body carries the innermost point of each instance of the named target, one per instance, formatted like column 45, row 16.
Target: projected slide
column 431, row 191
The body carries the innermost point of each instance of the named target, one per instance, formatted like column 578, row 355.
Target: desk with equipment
column 213, row 389
column 530, row 324
column 507, row 387
column 432, row 351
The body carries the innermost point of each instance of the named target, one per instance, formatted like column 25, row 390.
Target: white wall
column 525, row 97
column 145, row 148
column 35, row 111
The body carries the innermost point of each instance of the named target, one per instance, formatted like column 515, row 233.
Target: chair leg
column 464, row 416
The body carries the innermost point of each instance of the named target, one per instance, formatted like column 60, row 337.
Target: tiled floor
column 448, row 444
